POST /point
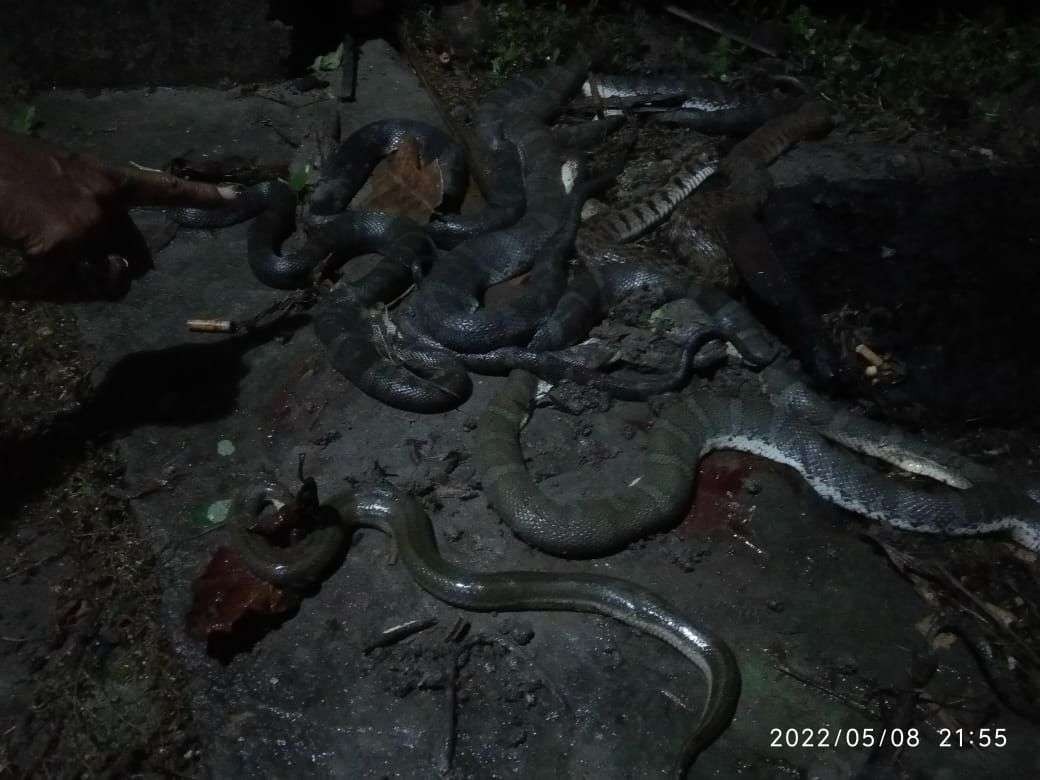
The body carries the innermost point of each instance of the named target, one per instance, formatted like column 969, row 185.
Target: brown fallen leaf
column 231, row 607
column 402, row 185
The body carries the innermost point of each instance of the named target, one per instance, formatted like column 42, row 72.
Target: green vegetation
column 977, row 64
column 302, row 179
column 327, row 62
column 514, row 35
column 23, row 119
column 888, row 67
column 721, row 58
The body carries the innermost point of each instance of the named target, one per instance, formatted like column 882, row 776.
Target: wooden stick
column 719, row 28
column 395, row 634
column 476, row 154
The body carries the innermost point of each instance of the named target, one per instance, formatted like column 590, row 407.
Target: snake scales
column 796, row 429
column 444, row 331
column 399, row 516
column 793, row 430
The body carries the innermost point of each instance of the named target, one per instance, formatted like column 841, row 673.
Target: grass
column 939, row 74
column 953, row 73
column 23, row 119
column 974, row 62
column 515, row 36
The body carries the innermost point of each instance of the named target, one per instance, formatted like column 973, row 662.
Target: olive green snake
column 398, row 515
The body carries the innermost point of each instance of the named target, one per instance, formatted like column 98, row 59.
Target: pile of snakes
column 531, row 224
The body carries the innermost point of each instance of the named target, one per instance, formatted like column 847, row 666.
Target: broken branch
column 721, row 29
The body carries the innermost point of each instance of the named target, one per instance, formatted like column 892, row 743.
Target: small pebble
column 775, row 606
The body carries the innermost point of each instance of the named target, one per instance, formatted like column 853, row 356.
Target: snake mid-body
column 706, row 106
column 421, row 369
column 306, row 563
column 445, row 331
column 797, row 430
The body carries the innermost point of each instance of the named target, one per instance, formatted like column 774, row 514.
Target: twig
column 399, row 633
column 674, row 699
column 189, row 538
column 33, row 565
column 457, row 631
column 283, row 307
column 140, row 167
column 631, row 103
column 721, row 30
column 451, row 697
column 273, row 99
column 285, row 137
column 476, row 153
column 348, row 86
column 993, row 619
column 852, row 705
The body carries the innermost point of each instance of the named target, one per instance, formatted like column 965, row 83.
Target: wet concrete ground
column 818, row 619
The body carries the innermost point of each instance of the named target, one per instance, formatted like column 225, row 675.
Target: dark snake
column 706, row 106
column 420, row 372
column 448, row 332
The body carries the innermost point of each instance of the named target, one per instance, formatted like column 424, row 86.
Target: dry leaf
column 231, row 605
column 402, row 185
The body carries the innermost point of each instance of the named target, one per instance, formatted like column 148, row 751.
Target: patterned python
column 790, row 425
column 717, row 229
column 707, row 106
column 400, row 517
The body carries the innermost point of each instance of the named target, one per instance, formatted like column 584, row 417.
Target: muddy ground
column 138, row 428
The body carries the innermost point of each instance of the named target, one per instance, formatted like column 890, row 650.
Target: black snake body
column 447, row 332
column 707, row 106
column 349, row 166
column 447, row 305
column 444, row 329
column 420, row 373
